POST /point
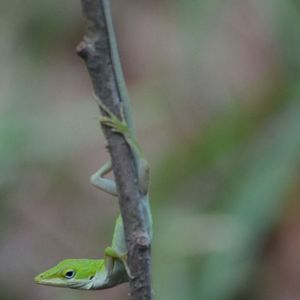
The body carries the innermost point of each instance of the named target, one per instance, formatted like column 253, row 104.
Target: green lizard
column 104, row 273
column 113, row 270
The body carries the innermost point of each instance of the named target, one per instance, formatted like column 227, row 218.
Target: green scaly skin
column 94, row 274
column 113, row 270
column 83, row 274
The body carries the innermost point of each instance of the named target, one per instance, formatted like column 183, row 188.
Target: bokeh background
column 215, row 88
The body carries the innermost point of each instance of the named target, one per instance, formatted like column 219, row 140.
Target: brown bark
column 95, row 51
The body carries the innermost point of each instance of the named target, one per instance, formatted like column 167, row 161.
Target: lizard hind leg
column 116, row 124
column 105, row 184
column 120, row 126
column 144, row 176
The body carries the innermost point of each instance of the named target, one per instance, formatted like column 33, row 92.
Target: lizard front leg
column 118, row 249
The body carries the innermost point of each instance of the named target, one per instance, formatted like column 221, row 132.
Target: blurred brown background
column 215, row 89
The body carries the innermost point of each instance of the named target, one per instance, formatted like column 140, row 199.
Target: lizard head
column 73, row 273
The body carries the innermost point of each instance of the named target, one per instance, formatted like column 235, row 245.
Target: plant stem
column 99, row 51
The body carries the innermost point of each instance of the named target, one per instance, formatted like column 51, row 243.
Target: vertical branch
column 95, row 50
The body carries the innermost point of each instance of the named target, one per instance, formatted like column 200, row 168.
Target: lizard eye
column 69, row 274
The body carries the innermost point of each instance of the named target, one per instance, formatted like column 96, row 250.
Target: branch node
column 143, row 240
column 84, row 49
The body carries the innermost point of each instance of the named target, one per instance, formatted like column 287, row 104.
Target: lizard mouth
column 39, row 279
column 76, row 284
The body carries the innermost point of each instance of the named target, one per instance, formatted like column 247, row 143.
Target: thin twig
column 96, row 52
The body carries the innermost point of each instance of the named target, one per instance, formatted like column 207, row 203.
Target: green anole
column 104, row 273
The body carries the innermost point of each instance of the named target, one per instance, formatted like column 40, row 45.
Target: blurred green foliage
column 217, row 111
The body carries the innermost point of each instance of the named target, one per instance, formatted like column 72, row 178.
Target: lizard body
column 113, row 269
